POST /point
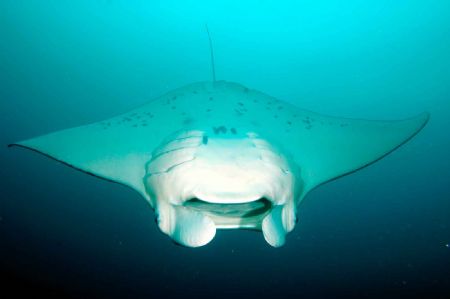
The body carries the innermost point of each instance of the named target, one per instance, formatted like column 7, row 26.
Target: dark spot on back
column 238, row 112
column 188, row 121
column 218, row 130
column 205, row 140
column 233, row 130
column 211, row 98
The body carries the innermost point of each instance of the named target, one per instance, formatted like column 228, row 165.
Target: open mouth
column 230, row 215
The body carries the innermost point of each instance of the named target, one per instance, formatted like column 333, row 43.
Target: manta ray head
column 199, row 181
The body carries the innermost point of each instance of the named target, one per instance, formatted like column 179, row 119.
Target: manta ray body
column 218, row 155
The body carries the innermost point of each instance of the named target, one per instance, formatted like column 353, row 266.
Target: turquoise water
column 384, row 230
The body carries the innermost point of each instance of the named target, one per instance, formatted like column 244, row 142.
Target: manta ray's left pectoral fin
column 332, row 147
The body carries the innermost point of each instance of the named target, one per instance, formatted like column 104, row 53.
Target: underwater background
column 383, row 231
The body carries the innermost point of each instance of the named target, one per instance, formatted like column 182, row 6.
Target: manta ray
column 218, row 155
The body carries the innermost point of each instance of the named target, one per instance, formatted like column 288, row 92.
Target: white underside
column 240, row 183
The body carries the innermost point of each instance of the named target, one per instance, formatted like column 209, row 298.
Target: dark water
column 381, row 232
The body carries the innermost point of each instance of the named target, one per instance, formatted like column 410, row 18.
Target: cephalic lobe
column 198, row 183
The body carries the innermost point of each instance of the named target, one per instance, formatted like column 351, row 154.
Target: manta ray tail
column 211, row 50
